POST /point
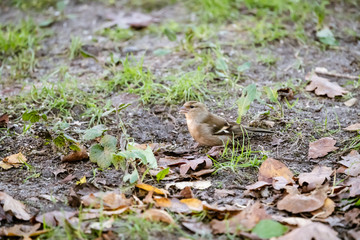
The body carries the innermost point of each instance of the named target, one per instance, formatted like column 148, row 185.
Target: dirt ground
column 312, row 117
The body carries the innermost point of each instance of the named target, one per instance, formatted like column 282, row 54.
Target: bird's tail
column 256, row 130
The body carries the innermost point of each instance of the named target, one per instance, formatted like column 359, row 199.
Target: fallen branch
column 324, row 71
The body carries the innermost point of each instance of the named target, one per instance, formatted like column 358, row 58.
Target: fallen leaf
column 173, row 205
column 202, row 162
column 295, row 202
column 257, row 185
column 321, row 147
column 326, row 210
column 269, row 228
column 193, row 204
column 279, row 182
column 352, row 162
column 316, row 177
column 287, row 93
column 202, row 172
column 199, row 228
column 243, row 221
column 196, row 184
column 21, row 230
column 323, row 86
column 168, row 161
column 313, row 231
column 354, row 234
column 355, row 186
column 353, row 128
column 271, row 168
column 158, row 215
column 351, row 102
column 15, row 160
column 97, row 213
column 55, row 218
column 353, row 216
column 4, row 120
column 14, row 206
column 103, row 225
column 221, row 193
column 81, row 181
column 215, row 151
column 107, row 200
column 150, row 188
column 186, row 193
column 295, row 221
column 76, row 156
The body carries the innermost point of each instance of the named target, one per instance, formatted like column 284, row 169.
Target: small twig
column 324, row 71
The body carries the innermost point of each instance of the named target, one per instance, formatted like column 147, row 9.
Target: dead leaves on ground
column 323, row 86
column 321, row 147
column 15, row 160
column 13, row 207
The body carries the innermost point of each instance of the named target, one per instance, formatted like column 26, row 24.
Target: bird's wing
column 218, row 125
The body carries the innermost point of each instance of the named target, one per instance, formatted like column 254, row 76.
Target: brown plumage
column 209, row 129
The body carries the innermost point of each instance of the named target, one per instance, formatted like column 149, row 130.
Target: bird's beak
column 183, row 110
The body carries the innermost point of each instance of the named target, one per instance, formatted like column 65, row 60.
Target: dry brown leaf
column 21, row 230
column 353, row 127
column 354, row 234
column 272, row 168
column 323, row 86
column 352, row 162
column 195, row 184
column 326, row 210
column 150, row 188
column 103, row 225
column 202, row 172
column 168, row 161
column 76, row 156
column 108, row 200
column 295, row 221
column 4, row 119
column 221, row 193
column 54, row 218
column 316, row 177
column 257, row 185
column 186, row 193
column 158, row 215
column 173, row 205
column 15, row 160
column 355, row 186
column 14, row 206
column 197, row 227
column 193, row 204
column 353, row 216
column 321, row 147
column 296, row 203
column 180, row 206
column 313, row 231
column 243, row 221
column 201, row 162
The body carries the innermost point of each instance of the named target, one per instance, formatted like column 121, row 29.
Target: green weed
column 239, row 155
column 75, row 47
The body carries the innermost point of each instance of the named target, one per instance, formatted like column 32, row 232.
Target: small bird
column 209, row 129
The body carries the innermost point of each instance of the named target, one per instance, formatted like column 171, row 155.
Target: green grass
column 124, row 227
column 75, row 47
column 15, row 39
column 238, row 154
column 18, row 45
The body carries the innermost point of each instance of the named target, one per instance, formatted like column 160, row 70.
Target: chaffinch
column 209, row 129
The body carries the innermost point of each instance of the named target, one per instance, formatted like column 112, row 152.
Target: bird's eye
column 191, row 106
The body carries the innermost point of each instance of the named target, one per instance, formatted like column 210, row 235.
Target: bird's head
column 194, row 110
